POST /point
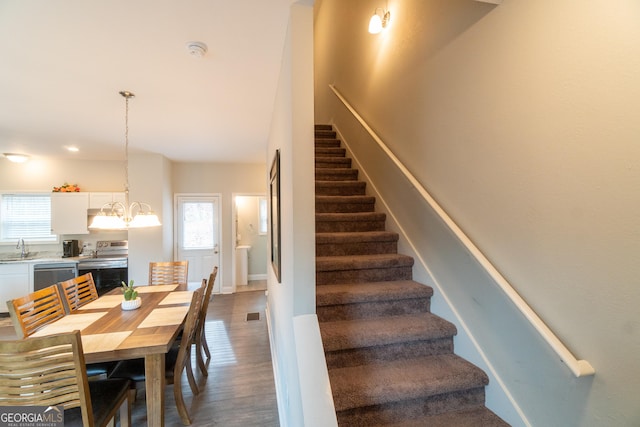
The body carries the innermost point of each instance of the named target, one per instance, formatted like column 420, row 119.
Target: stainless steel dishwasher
column 48, row 274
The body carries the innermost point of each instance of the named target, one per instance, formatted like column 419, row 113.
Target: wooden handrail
column 579, row 368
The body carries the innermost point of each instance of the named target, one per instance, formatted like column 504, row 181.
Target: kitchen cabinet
column 98, row 199
column 14, row 282
column 69, row 213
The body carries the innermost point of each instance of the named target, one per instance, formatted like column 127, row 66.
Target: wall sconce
column 16, row 158
column 379, row 20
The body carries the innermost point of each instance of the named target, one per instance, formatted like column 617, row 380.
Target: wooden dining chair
column 38, row 309
column 168, row 273
column 177, row 360
column 201, row 338
column 33, row 311
column 50, row 371
column 79, row 291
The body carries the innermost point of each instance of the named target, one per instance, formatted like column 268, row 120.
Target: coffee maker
column 70, row 248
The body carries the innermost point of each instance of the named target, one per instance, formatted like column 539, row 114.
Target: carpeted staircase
column 390, row 361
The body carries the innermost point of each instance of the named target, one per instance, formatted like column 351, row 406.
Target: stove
column 108, row 254
column 109, row 266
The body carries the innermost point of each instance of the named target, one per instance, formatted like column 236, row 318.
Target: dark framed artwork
column 274, row 191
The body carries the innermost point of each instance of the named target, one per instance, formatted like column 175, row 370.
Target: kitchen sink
column 17, row 258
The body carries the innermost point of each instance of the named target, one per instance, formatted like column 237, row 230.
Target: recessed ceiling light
column 72, row 148
column 16, row 157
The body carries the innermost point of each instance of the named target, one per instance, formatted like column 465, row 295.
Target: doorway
column 249, row 259
column 198, row 235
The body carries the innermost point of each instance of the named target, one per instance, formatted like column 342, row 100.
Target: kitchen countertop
column 39, row 258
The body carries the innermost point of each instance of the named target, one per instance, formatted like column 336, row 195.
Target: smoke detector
column 197, row 49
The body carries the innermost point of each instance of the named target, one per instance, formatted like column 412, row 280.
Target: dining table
column 110, row 333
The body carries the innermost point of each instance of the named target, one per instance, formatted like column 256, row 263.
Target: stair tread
column 355, row 262
column 352, row 293
column 345, row 183
column 356, row 236
column 349, row 216
column 340, row 171
column 346, row 199
column 332, row 159
column 404, row 379
column 378, row 331
column 478, row 416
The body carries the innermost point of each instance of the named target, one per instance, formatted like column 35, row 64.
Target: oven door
column 106, row 279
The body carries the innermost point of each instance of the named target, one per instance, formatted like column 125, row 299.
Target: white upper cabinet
column 69, row 213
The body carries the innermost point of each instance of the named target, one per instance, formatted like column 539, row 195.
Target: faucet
column 20, row 245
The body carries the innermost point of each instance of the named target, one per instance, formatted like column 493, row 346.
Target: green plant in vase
column 129, row 292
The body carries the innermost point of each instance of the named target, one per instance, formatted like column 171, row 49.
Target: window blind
column 25, row 216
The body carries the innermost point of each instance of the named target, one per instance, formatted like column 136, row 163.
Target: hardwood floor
column 253, row 285
column 240, row 389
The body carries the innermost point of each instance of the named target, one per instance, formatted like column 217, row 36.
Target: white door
column 198, row 235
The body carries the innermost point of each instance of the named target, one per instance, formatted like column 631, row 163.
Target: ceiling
column 63, row 62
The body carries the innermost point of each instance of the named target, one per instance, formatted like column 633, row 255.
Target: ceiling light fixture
column 197, row 49
column 16, row 157
column 379, row 21
column 118, row 216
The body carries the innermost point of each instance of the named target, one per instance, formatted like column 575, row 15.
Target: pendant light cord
column 126, row 95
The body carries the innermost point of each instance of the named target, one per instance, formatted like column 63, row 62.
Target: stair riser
column 329, row 174
column 333, row 162
column 358, row 248
column 327, row 143
column 321, row 126
column 368, row 310
column 349, row 188
column 376, row 415
column 325, row 134
column 387, row 353
column 344, row 206
column 366, row 275
column 347, row 226
column 330, row 152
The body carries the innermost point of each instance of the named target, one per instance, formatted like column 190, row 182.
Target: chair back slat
column 45, row 371
column 33, row 311
column 206, row 298
column 79, row 291
column 191, row 322
column 168, row 273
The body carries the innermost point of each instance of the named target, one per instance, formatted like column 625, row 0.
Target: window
column 198, row 225
column 25, row 216
column 263, row 215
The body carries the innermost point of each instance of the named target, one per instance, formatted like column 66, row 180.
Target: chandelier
column 118, row 216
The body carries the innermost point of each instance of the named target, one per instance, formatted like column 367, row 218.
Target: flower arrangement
column 67, row 188
column 128, row 291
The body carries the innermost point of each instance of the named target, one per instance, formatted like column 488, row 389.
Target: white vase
column 131, row 304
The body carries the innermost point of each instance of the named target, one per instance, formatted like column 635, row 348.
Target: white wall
column 42, row 174
column 150, row 182
column 224, row 179
column 292, row 133
column 520, row 120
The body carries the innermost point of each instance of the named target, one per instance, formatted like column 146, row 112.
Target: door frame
column 220, row 274
column 234, row 231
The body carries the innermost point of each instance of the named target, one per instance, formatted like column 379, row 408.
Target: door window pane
column 197, row 225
